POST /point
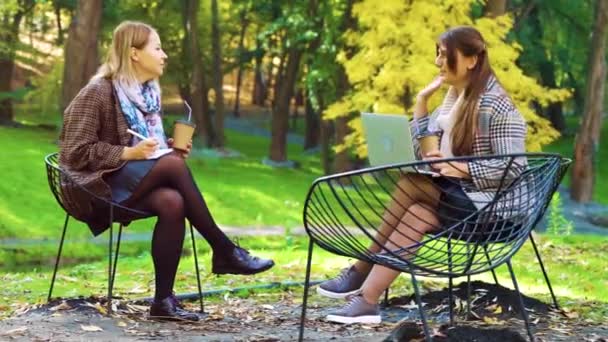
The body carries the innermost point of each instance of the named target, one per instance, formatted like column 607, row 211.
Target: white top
column 445, row 120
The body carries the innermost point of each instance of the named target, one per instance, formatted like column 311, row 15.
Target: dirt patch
column 276, row 317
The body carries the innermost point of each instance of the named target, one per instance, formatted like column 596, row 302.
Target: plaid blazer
column 92, row 139
column 501, row 130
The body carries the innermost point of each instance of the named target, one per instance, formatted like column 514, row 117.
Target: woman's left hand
column 184, row 154
column 449, row 169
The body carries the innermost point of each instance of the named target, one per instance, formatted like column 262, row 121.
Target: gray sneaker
column 347, row 283
column 357, row 310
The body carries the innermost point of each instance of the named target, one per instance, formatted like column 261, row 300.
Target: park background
column 276, row 88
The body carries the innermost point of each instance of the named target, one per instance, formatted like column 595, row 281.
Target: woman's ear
column 134, row 55
column 472, row 62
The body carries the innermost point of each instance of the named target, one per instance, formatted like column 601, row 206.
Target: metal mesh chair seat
column 69, row 194
column 509, row 193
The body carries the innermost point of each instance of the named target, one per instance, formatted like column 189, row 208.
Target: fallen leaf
column 14, row 332
column 90, row 328
column 490, row 320
column 121, row 324
column 62, row 306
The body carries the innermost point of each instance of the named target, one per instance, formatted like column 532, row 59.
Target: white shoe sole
column 373, row 319
column 335, row 295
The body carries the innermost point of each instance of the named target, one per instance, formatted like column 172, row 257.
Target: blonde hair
column 118, row 64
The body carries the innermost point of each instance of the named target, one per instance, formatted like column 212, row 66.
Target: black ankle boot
column 239, row 261
column 166, row 309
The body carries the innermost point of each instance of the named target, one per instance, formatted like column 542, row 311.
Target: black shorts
column 456, row 211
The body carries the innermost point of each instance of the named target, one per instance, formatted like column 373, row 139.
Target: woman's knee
column 422, row 216
column 416, row 186
column 169, row 203
column 172, row 163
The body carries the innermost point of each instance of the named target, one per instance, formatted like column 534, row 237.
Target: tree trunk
column 325, row 146
column 217, row 76
column 81, row 57
column 239, row 76
column 313, row 126
column 587, row 139
column 554, row 111
column 199, row 91
column 342, row 162
column 57, row 8
column 495, row 8
column 260, row 87
column 10, row 35
column 280, row 112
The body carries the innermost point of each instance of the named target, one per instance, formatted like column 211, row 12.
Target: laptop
column 389, row 140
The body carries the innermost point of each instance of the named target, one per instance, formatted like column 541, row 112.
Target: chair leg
column 306, row 287
column 198, row 273
column 65, row 226
column 485, row 251
column 111, row 237
column 450, row 285
column 468, row 297
column 385, row 302
column 115, row 259
column 425, row 327
column 521, row 302
column 542, row 267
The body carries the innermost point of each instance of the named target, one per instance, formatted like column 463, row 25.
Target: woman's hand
column 184, row 154
column 142, row 150
column 449, row 169
column 431, row 88
column 420, row 108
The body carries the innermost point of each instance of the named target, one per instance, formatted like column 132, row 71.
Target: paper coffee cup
column 182, row 134
column 428, row 143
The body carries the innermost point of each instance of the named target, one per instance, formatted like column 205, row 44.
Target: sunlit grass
column 241, row 192
column 575, row 265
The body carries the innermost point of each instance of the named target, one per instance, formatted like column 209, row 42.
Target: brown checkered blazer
column 93, row 136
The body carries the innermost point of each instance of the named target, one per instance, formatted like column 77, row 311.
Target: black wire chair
column 342, row 214
column 66, row 190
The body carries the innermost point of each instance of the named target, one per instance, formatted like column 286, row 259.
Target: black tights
column 170, row 192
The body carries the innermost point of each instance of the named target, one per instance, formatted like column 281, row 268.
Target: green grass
column 565, row 147
column 575, row 265
column 240, row 191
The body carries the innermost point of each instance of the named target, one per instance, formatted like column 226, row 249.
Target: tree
column 218, row 76
column 588, row 137
column 555, row 36
column 393, row 61
column 197, row 85
column 11, row 14
column 244, row 21
column 292, row 30
column 81, row 56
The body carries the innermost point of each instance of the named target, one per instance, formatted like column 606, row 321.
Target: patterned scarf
column 141, row 107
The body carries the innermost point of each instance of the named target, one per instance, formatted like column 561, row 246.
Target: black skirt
column 458, row 212
column 125, row 180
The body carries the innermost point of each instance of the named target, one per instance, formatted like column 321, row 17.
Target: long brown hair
column 470, row 43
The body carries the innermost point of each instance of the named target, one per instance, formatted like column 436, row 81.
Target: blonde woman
column 476, row 118
column 97, row 149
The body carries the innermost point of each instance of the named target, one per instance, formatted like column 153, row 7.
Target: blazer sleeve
column 421, row 126
column 507, row 135
column 82, row 123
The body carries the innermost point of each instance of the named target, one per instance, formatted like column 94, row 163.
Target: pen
column 136, row 134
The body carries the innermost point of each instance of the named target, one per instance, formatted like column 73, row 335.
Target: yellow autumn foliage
column 394, row 59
